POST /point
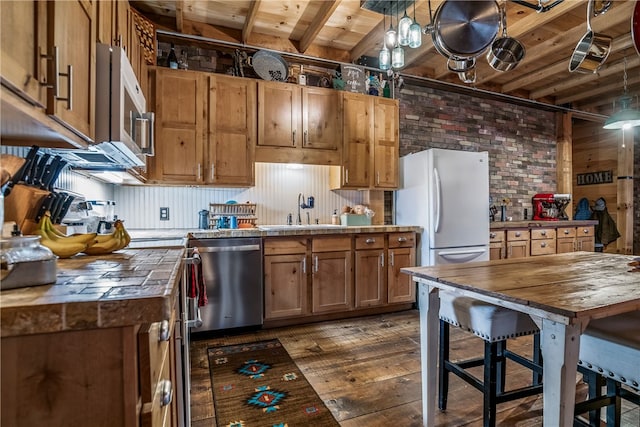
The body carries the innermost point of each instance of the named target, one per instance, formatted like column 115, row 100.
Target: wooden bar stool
column 494, row 324
column 610, row 354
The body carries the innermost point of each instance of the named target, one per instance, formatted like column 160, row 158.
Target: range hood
column 106, row 156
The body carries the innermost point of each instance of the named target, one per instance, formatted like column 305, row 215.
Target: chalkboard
column 354, row 78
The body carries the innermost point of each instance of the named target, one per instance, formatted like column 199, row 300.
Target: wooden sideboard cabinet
column 543, row 241
column 497, row 245
column 518, row 243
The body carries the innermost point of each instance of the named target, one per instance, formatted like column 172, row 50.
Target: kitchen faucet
column 300, row 205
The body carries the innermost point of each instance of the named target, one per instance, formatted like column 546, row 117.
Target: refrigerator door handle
column 438, row 198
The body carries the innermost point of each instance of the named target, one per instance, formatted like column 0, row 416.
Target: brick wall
column 521, row 141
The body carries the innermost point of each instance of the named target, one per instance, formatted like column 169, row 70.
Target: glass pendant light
column 390, row 35
column 397, row 54
column 415, row 31
column 404, row 26
column 384, row 57
column 627, row 117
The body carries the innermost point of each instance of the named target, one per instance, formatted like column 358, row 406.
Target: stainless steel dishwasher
column 232, row 272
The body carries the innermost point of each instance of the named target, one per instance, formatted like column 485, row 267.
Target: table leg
column 560, row 350
column 429, row 304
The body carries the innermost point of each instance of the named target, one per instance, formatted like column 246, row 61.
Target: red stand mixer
column 550, row 207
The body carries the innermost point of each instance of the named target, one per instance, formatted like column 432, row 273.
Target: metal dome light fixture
column 626, row 117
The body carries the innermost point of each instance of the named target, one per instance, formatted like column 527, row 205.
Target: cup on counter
column 233, row 222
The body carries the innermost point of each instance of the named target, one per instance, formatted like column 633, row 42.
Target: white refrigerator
column 446, row 192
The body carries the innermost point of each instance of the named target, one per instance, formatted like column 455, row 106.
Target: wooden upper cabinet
column 355, row 171
column 298, row 124
column 205, row 129
column 321, row 118
column 180, row 118
column 232, row 130
column 22, row 38
column 279, row 113
column 386, row 143
column 71, row 32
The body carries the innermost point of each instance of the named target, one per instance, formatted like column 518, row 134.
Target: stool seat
column 494, row 324
column 611, row 347
column 490, row 322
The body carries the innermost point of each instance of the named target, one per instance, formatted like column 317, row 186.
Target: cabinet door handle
column 402, row 239
column 378, row 178
column 213, row 171
column 370, row 241
column 346, row 176
column 492, row 235
column 294, row 138
column 304, row 265
column 69, row 76
column 199, row 171
column 315, row 268
column 566, row 231
column 585, row 231
column 164, row 335
column 167, row 393
column 53, row 57
column 391, row 259
column 305, row 138
column 382, row 260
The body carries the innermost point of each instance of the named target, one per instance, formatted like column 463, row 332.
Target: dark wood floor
column 367, row 371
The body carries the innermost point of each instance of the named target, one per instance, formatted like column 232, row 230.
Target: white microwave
column 121, row 113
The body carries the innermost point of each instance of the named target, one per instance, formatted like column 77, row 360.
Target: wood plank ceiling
column 343, row 31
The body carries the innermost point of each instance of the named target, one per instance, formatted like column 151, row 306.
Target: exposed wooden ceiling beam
column 179, row 17
column 574, row 81
column 599, row 90
column 327, row 7
column 250, row 20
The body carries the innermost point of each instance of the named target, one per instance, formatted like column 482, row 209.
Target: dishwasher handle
column 238, row 248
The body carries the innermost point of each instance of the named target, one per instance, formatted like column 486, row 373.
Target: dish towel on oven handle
column 197, row 288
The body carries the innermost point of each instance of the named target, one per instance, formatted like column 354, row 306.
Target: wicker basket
column 245, row 213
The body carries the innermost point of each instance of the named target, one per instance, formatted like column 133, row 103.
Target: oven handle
column 240, row 248
column 190, row 305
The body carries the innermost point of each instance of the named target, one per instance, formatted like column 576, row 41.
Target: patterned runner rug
column 257, row 384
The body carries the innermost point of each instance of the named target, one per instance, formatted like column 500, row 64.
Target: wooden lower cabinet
column 517, row 243
column 111, row 376
column 497, row 245
column 585, row 239
column 370, row 272
column 565, row 240
column 285, row 277
column 401, row 253
column 332, row 272
column 543, row 241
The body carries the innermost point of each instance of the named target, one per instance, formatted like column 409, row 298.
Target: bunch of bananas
column 60, row 244
column 89, row 243
column 107, row 243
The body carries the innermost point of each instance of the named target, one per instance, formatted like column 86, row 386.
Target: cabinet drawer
column 563, row 232
column 283, row 246
column 585, row 231
column 331, row 244
column 543, row 233
column 370, row 241
column 496, row 236
column 543, row 247
column 402, row 240
column 518, row 235
column 155, row 413
column 153, row 343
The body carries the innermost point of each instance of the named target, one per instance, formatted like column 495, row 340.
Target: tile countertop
column 127, row 287
column 500, row 225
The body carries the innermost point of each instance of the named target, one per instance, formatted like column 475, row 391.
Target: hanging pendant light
column 404, row 26
column 390, row 36
column 384, row 57
column 627, row 117
column 397, row 54
column 415, row 31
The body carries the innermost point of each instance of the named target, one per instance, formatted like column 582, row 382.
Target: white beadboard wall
column 275, row 193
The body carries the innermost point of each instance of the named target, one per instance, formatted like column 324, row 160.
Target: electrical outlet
column 164, row 214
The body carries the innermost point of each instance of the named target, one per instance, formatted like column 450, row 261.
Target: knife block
column 22, row 206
